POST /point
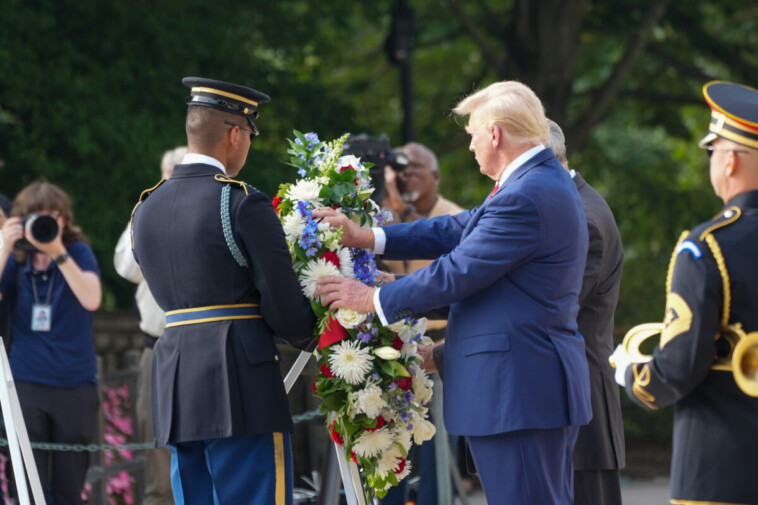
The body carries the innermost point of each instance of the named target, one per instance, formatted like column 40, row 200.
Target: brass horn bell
column 740, row 357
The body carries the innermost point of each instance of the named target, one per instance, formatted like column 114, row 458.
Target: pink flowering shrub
column 117, row 430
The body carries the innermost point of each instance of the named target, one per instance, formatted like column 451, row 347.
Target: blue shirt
column 63, row 357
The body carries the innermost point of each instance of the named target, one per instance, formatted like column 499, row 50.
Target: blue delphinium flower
column 309, row 241
column 364, row 266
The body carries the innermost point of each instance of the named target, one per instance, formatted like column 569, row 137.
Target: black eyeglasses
column 253, row 133
column 709, row 150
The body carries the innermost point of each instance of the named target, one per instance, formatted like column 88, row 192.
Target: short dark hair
column 205, row 125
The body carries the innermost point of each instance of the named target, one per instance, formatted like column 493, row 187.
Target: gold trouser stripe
column 281, row 477
column 694, row 502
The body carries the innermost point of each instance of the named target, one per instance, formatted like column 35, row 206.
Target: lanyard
column 49, row 288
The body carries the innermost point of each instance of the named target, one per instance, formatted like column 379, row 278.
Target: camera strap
column 42, row 313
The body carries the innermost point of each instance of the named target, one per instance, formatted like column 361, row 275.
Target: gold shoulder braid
column 142, row 197
column 223, row 178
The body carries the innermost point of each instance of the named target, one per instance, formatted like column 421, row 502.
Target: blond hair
column 513, row 107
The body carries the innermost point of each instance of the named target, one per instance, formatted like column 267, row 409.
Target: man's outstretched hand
column 342, row 293
column 352, row 235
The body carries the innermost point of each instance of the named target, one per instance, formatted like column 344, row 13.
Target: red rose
column 352, row 456
column 346, row 167
column 400, row 466
column 313, row 385
column 397, row 343
column 326, row 370
column 335, row 434
column 332, row 258
column 277, row 200
column 404, row 383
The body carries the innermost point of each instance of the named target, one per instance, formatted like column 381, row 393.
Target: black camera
column 376, row 150
column 42, row 227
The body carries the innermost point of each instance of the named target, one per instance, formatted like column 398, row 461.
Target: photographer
column 53, row 286
column 412, row 194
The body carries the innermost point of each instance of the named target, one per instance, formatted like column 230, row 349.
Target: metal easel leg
column 18, row 439
column 351, row 479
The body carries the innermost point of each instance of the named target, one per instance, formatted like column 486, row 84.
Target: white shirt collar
column 201, row 158
column 523, row 158
column 572, row 172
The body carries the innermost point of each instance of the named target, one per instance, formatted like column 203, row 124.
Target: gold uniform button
column 276, row 358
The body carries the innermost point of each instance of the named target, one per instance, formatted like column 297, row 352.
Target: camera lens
column 43, row 228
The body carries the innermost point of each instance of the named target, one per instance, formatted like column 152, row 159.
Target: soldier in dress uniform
column 711, row 304
column 215, row 258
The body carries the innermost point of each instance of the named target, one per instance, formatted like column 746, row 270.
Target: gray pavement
column 633, row 492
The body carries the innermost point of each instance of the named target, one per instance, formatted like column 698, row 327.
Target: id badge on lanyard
column 42, row 313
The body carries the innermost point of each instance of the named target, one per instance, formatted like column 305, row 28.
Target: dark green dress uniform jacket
column 715, row 448
column 218, row 379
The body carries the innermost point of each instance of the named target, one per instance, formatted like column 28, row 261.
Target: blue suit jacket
column 511, row 271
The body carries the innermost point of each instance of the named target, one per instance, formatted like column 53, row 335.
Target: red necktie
column 497, row 186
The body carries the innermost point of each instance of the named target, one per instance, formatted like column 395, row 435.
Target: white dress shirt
column 201, row 158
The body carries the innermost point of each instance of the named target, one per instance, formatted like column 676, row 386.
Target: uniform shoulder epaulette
column 146, row 193
column 235, row 183
column 693, row 242
column 724, row 218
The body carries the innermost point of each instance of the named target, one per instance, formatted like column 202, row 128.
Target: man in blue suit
column 516, row 377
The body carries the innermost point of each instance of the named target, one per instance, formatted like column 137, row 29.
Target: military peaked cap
column 734, row 113
column 225, row 96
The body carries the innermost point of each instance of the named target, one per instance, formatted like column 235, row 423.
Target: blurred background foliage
column 91, row 96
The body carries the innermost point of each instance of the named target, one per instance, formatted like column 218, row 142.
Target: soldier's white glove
column 622, row 362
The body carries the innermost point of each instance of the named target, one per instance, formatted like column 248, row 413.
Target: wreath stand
column 348, row 470
column 18, row 439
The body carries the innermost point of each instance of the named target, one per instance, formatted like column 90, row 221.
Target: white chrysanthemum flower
column 315, row 271
column 423, row 430
column 388, row 462
column 346, row 262
column 373, row 443
column 403, row 437
column 305, row 191
column 350, row 319
column 369, row 401
column 406, row 471
column 323, row 226
column 350, row 362
column 293, row 226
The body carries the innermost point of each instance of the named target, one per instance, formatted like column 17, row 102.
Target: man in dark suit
column 516, row 377
column 711, row 319
column 215, row 258
column 599, row 450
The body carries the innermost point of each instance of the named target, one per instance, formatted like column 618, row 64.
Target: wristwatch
column 409, row 209
column 60, row 259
